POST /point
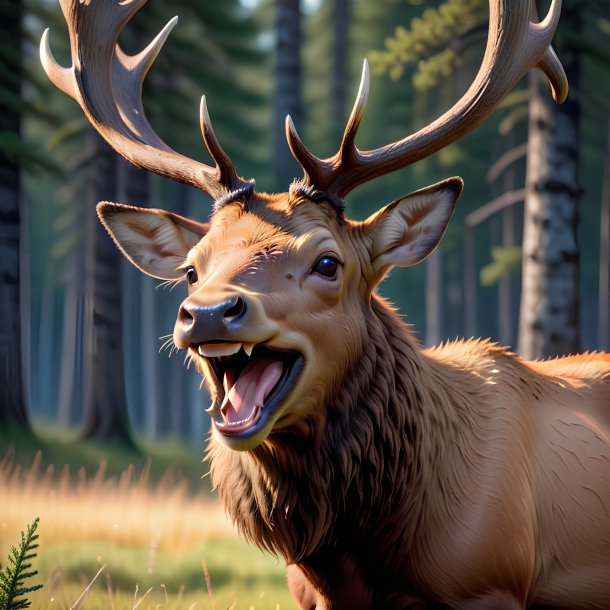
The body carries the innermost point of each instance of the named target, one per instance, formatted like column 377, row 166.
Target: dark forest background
column 80, row 328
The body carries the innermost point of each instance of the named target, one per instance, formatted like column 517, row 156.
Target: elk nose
column 199, row 322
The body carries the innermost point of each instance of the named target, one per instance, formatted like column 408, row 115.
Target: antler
column 107, row 84
column 514, row 46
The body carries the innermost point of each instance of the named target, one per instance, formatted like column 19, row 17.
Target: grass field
column 152, row 536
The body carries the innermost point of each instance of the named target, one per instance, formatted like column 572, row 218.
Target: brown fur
column 428, row 462
column 394, row 477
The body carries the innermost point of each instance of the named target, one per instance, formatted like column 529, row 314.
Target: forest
column 525, row 261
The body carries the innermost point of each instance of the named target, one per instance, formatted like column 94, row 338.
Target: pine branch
column 434, row 42
column 14, row 576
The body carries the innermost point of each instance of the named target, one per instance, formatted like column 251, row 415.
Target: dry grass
column 126, row 509
column 153, row 534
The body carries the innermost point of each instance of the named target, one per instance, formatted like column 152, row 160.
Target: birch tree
column 549, row 312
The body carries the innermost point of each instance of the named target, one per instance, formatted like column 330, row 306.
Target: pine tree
column 435, row 42
column 13, row 578
column 434, row 49
column 12, row 386
column 205, row 54
column 288, row 85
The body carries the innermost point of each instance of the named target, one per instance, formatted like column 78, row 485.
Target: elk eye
column 326, row 266
column 191, row 275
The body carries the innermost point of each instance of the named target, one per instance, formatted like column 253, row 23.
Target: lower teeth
column 240, row 422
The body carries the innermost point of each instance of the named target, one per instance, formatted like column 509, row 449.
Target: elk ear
column 409, row 229
column 155, row 241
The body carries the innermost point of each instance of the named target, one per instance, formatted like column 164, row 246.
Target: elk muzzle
column 226, row 318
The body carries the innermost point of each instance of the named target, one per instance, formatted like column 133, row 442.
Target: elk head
column 279, row 286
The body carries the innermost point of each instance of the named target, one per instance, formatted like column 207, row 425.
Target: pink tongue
column 251, row 389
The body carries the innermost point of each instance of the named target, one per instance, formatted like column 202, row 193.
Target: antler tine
column 514, row 46
column 226, row 169
column 315, row 168
column 348, row 150
column 107, row 84
column 550, row 64
column 62, row 78
column 129, row 96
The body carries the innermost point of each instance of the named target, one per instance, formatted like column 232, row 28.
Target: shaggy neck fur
column 296, row 495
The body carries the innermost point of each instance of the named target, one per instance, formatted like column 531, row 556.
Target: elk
column 386, row 475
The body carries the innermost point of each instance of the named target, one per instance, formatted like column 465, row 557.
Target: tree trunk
column 505, row 288
column 106, row 415
column 73, row 354
column 287, row 96
column 603, row 323
column 434, row 273
column 505, row 285
column 338, row 81
column 470, row 283
column 47, row 343
column 549, row 313
column 12, row 387
column 139, row 307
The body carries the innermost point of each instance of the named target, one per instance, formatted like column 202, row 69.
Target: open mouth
column 252, row 383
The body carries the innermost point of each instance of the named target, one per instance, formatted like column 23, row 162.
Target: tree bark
column 73, row 355
column 287, row 98
column 603, row 323
column 12, row 386
column 505, row 288
column 549, row 312
column 505, row 285
column 470, row 283
column 106, row 415
column 434, row 315
column 338, row 82
column 138, row 309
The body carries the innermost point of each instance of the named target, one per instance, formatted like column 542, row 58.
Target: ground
column 152, row 522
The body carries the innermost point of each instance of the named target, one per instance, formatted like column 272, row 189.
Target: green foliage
column 214, row 50
column 13, row 578
column 72, row 129
column 504, row 262
column 603, row 25
column 230, row 560
column 431, row 70
column 25, row 154
column 430, row 42
column 513, row 118
column 44, row 446
column 516, row 105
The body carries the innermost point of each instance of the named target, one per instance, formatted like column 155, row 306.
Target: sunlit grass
column 151, row 538
column 61, row 446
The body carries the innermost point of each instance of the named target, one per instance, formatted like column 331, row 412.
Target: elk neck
column 391, row 419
